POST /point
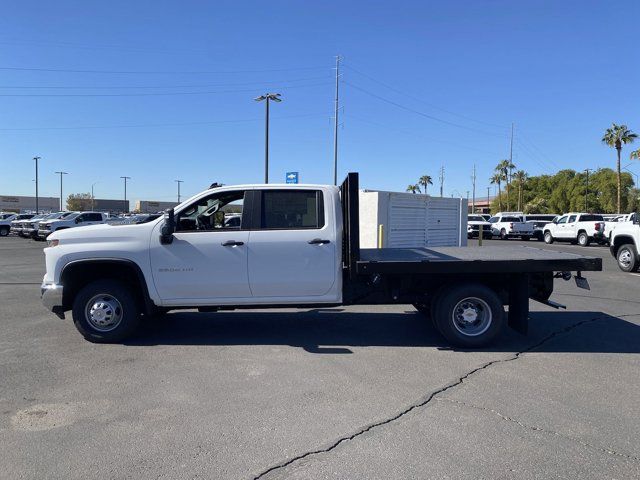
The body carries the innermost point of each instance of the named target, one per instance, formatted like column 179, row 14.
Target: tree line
column 604, row 190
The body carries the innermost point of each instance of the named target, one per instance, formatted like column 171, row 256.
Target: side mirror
column 169, row 227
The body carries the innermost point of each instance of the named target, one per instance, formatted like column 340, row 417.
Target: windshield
column 476, row 218
column 5, row 216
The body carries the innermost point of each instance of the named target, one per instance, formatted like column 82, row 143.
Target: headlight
column 53, row 243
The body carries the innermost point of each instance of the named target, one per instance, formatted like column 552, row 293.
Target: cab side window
column 217, row 212
column 572, row 219
column 563, row 219
column 291, row 209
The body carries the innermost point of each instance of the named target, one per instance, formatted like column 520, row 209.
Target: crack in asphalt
column 534, row 428
column 424, row 401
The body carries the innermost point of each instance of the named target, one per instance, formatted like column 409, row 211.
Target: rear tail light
column 597, row 226
column 511, row 225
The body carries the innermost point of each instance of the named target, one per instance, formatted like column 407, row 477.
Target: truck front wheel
column 4, row 231
column 106, row 311
column 628, row 258
column 470, row 315
column 548, row 238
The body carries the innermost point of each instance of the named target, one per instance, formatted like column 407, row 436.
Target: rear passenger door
column 292, row 245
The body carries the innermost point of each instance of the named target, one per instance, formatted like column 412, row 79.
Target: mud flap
column 519, row 304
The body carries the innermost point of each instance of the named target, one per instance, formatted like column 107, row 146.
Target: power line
column 417, row 112
column 159, row 72
column 133, row 87
column 148, row 94
column 413, row 97
column 185, row 124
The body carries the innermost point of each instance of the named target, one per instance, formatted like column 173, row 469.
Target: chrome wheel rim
column 582, row 239
column 103, row 312
column 472, row 316
column 625, row 259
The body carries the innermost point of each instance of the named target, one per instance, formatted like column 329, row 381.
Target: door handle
column 231, row 243
column 318, row 241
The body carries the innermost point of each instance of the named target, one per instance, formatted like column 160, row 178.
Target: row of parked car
column 576, row 227
column 40, row 226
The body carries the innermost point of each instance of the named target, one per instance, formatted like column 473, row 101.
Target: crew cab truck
column 625, row 244
column 510, row 224
column 581, row 228
column 296, row 245
column 72, row 220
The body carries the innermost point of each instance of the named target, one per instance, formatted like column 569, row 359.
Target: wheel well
column 619, row 241
column 78, row 274
column 581, row 231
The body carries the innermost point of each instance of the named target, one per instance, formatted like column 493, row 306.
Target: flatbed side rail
column 351, row 227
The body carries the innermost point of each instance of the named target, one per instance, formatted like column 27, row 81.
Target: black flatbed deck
column 489, row 259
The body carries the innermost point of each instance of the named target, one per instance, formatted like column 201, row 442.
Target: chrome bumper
column 51, row 295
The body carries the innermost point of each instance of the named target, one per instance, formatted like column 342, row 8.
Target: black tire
column 503, row 234
column 4, row 231
column 103, row 292
column 548, row 238
column 627, row 257
column 480, row 300
column 583, row 239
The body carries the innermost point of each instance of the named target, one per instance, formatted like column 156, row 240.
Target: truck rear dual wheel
column 106, row 311
column 628, row 259
column 469, row 316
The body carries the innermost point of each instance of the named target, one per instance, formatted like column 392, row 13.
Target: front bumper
column 42, row 233
column 51, row 295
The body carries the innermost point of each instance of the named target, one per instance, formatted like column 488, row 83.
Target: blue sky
column 424, row 84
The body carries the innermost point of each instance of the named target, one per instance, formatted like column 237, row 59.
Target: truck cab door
column 561, row 227
column 206, row 263
column 571, row 228
column 293, row 247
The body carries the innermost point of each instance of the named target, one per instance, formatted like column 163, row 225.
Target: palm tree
column 413, row 188
column 521, row 177
column 635, row 155
column 615, row 136
column 425, row 180
column 496, row 179
column 505, row 167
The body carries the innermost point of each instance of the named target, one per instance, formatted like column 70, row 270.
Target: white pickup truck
column 511, row 224
column 295, row 245
column 625, row 243
column 581, row 228
column 72, row 220
column 5, row 223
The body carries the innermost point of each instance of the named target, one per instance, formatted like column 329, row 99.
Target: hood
column 477, row 222
column 102, row 232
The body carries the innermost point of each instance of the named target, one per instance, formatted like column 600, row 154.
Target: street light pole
column 276, row 98
column 179, row 182
column 92, row 197
column 37, row 205
column 61, row 173
column 124, row 207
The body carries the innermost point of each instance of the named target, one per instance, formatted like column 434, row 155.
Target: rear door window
column 291, row 209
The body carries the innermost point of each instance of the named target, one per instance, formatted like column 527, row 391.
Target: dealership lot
column 359, row 392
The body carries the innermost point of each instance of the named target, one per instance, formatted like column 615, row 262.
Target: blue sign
column 292, row 177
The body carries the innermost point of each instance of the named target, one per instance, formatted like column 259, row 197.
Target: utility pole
column 179, row 182
column 37, row 204
column 473, row 199
column 124, row 205
column 586, row 191
column 488, row 199
column 335, row 125
column 92, row 197
column 441, row 179
column 61, row 173
column 276, row 98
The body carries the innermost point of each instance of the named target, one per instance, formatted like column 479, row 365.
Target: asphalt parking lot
column 363, row 392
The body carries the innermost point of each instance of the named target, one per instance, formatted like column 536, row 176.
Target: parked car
column 581, row 228
column 5, row 223
column 510, row 224
column 625, row 244
column 475, row 223
column 539, row 221
column 76, row 219
column 18, row 223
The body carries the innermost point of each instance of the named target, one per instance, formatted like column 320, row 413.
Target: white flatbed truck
column 295, row 246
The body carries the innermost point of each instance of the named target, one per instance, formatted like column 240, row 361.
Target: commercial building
column 149, row 206
column 105, row 205
column 18, row 204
